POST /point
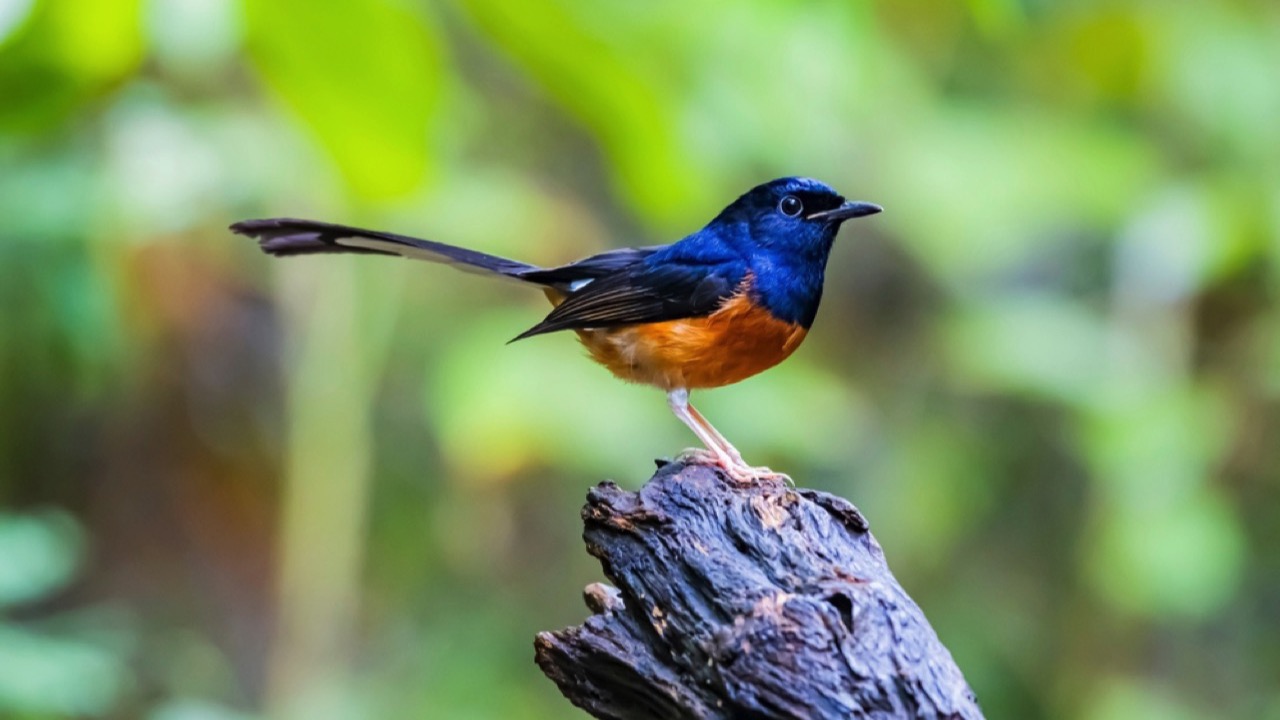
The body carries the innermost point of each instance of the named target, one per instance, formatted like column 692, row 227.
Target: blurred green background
column 235, row 487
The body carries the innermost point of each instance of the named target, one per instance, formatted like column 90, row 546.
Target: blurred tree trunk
column 745, row 601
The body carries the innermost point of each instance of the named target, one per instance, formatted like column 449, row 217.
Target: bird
column 720, row 305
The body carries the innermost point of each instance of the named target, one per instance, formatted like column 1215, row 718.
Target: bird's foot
column 748, row 474
column 735, row 468
column 699, row 456
column 763, row 473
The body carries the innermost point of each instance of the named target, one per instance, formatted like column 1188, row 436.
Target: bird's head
column 792, row 214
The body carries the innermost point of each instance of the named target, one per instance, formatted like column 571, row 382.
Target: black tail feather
column 284, row 237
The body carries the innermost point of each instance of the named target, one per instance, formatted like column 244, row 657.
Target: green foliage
column 47, row 674
column 61, row 56
column 365, row 77
column 1049, row 373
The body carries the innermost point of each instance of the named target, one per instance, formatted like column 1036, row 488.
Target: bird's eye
column 790, row 206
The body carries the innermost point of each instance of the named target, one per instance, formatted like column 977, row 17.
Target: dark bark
column 745, row 601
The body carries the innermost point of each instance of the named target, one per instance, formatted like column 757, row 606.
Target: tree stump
column 745, row 601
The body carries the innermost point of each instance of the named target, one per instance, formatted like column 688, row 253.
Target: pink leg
column 722, row 452
column 720, row 439
column 678, row 401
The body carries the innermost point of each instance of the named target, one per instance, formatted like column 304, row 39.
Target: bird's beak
column 846, row 211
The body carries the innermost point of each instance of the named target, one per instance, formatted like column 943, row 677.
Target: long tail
column 287, row 236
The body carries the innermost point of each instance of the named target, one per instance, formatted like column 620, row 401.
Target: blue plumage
column 786, row 255
column 729, row 301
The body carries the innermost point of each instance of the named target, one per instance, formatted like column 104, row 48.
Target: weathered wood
column 737, row 601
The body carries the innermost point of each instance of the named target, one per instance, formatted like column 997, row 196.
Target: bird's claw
column 698, row 456
column 764, row 473
column 734, row 468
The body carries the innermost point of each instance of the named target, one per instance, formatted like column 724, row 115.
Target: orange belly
column 737, row 341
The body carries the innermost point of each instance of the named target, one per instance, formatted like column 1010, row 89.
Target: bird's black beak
column 846, row 211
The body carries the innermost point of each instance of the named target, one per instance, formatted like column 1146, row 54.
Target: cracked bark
column 735, row 601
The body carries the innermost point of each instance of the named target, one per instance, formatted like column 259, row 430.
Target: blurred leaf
column 194, row 36
column 1123, row 699
column 13, row 13
column 976, row 189
column 196, row 710
column 40, row 554
column 100, row 39
column 1165, row 543
column 1168, row 558
column 824, row 65
column 1183, row 238
column 1030, row 344
column 66, row 54
column 44, row 196
column 1198, row 47
column 61, row 677
column 365, row 76
column 936, row 489
column 1153, row 443
column 610, row 90
column 996, row 18
column 1106, row 49
column 166, row 162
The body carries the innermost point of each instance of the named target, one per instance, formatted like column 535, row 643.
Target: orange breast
column 734, row 343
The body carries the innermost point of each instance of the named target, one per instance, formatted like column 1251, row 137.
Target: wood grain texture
column 736, row 601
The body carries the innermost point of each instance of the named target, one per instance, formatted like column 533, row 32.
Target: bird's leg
column 678, row 401
column 744, row 470
column 722, row 451
column 724, row 443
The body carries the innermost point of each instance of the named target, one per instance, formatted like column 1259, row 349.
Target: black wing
column 594, row 267
column 642, row 294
